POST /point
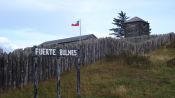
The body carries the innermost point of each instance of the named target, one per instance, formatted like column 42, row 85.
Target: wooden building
column 68, row 40
column 136, row 27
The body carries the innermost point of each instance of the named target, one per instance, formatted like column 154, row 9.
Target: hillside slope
column 125, row 76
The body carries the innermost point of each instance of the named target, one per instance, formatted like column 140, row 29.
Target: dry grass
column 163, row 54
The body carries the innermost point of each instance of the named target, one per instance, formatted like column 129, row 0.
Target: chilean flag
column 76, row 24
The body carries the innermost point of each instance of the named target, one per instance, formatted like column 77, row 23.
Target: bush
column 110, row 58
column 138, row 61
column 171, row 63
column 119, row 57
column 131, row 60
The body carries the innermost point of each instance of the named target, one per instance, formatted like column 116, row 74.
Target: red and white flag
column 76, row 24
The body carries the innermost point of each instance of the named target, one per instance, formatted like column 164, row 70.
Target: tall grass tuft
column 132, row 60
column 138, row 61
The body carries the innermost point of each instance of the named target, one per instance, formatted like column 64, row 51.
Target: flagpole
column 78, row 59
column 79, row 63
column 80, row 30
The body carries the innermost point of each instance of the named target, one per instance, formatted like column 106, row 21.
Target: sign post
column 35, row 73
column 74, row 53
column 59, row 53
column 58, row 78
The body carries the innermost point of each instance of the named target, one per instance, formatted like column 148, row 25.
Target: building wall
column 136, row 29
column 144, row 27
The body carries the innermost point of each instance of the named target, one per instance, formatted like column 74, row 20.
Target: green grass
column 116, row 77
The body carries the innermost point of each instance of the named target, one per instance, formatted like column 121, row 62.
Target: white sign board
column 68, row 52
column 56, row 52
column 44, row 51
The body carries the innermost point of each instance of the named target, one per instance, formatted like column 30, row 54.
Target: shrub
column 110, row 58
column 138, row 61
column 131, row 60
column 119, row 57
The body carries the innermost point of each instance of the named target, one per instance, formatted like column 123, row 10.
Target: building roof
column 71, row 39
column 135, row 19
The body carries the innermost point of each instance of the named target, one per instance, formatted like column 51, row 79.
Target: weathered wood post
column 78, row 73
column 58, row 71
column 78, row 77
column 35, row 72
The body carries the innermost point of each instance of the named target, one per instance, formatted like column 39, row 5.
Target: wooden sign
column 68, row 52
column 45, row 51
column 60, row 53
column 56, row 52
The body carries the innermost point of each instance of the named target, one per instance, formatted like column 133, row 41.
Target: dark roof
column 135, row 19
column 71, row 39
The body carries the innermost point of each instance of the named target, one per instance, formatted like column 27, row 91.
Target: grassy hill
column 124, row 76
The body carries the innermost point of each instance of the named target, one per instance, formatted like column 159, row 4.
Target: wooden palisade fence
column 16, row 67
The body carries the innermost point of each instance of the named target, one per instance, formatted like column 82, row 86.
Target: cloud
column 80, row 5
column 26, row 5
column 53, row 5
column 96, row 17
column 7, row 45
column 21, row 38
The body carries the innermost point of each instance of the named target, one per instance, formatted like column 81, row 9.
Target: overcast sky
column 25, row 23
